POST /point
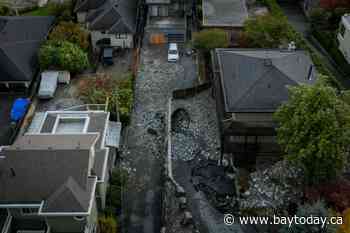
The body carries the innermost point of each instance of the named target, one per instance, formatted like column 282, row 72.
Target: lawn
column 41, row 11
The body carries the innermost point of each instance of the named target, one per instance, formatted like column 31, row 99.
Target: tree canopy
column 63, row 55
column 72, row 32
column 267, row 31
column 314, row 130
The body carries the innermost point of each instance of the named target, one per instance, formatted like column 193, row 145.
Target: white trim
column 60, row 117
column 16, row 206
column 105, row 163
column 103, row 146
column 105, row 131
column 42, row 122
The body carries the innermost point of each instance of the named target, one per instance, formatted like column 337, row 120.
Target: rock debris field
column 144, row 149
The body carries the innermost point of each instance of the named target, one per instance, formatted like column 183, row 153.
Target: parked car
column 107, row 56
column 173, row 53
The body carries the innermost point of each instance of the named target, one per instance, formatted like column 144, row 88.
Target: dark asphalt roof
column 34, row 175
column 70, row 197
column 114, row 16
column 256, row 80
column 24, row 34
column 54, row 168
column 85, row 5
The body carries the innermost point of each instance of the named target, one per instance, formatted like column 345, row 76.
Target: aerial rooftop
column 224, row 13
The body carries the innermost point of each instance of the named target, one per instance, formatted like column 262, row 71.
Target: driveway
column 144, row 150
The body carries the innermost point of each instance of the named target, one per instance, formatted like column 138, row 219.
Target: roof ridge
column 12, row 61
column 253, row 85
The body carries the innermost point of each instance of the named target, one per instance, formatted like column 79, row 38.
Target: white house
column 111, row 22
column 344, row 36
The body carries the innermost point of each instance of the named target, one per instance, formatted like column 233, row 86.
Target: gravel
column 199, row 137
column 144, row 148
column 274, row 187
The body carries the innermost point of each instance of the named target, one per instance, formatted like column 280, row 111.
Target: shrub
column 209, row 39
column 118, row 91
column 336, row 194
column 5, row 11
column 118, row 180
column 63, row 55
column 107, row 224
column 308, row 210
column 72, row 32
column 267, row 31
column 63, row 11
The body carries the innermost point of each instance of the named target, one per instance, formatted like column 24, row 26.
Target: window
column 342, row 30
column 121, row 36
column 29, row 211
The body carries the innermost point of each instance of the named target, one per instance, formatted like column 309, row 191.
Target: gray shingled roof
column 114, row 16
column 257, row 80
column 25, row 34
column 224, row 13
column 70, row 197
column 33, row 175
column 85, row 5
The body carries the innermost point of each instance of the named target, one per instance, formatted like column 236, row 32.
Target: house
column 20, row 40
column 343, row 36
column 167, row 20
column 224, row 13
column 249, row 85
column 228, row 15
column 111, row 22
column 54, row 178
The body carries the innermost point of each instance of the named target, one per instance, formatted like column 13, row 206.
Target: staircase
column 176, row 38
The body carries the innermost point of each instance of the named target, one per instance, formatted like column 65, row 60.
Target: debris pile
column 272, row 188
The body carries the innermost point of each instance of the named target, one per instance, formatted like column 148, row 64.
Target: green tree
column 107, row 224
column 209, row 39
column 318, row 209
column 63, row 11
column 72, row 32
column 314, row 130
column 63, row 55
column 267, row 31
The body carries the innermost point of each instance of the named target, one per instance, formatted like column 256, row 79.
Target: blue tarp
column 19, row 109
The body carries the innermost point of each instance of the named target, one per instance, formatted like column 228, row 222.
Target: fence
column 190, row 92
